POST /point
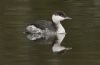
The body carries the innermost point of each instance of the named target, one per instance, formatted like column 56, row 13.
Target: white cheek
column 60, row 18
column 57, row 18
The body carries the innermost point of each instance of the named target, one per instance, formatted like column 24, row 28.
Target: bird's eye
column 60, row 14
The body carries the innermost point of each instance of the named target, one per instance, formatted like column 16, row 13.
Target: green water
column 83, row 32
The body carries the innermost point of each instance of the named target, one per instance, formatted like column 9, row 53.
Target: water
column 83, row 32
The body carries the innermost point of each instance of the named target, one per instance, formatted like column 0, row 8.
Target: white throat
column 60, row 28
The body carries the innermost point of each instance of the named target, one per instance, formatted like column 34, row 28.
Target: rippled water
column 83, row 32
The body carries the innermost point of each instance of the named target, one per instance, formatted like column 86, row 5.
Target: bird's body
column 44, row 24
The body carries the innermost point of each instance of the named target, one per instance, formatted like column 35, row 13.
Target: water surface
column 83, row 32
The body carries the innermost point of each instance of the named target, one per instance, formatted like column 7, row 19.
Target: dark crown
column 60, row 13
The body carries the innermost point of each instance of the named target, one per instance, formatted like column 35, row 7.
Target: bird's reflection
column 56, row 45
column 54, row 39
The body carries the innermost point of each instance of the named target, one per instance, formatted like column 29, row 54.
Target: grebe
column 42, row 26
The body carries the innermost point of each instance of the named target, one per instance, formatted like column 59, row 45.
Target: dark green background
column 83, row 32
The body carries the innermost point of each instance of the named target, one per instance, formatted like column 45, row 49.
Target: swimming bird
column 44, row 26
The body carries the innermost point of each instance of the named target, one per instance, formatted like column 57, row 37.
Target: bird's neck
column 60, row 28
